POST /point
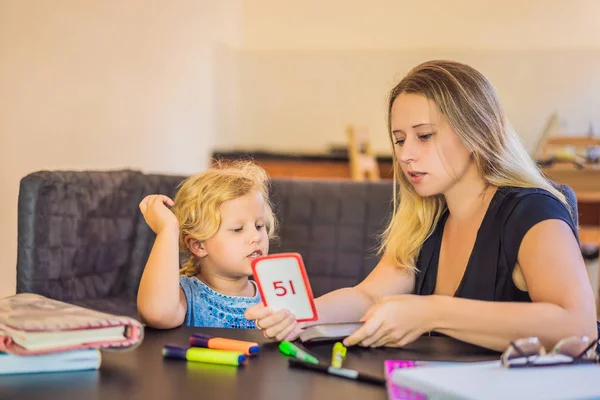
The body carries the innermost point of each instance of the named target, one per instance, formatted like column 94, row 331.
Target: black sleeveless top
column 488, row 275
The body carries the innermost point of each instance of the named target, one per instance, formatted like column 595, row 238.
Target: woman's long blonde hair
column 199, row 198
column 471, row 106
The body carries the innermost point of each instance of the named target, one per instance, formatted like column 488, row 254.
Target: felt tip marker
column 199, row 354
column 339, row 372
column 209, row 342
column 290, row 349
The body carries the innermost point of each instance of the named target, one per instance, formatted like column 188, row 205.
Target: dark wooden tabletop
column 142, row 373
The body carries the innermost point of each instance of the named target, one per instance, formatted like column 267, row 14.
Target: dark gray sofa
column 82, row 239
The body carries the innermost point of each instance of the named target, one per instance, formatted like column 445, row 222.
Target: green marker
column 290, row 349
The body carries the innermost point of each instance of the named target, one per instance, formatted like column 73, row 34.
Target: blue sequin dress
column 209, row 308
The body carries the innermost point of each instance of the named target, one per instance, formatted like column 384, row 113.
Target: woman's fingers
column 270, row 322
column 293, row 335
column 406, row 339
column 368, row 314
column 383, row 341
column 371, row 341
column 369, row 329
column 286, row 330
column 257, row 312
column 273, row 331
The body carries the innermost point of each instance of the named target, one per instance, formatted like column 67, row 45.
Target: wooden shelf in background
column 294, row 165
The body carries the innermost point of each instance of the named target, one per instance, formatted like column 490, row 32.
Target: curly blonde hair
column 199, row 198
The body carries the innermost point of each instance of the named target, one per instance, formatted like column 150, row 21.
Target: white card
column 283, row 284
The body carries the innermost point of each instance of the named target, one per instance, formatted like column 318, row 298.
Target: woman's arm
column 161, row 303
column 350, row 304
column 563, row 302
column 342, row 305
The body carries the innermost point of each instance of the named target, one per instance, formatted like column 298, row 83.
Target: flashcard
column 283, row 284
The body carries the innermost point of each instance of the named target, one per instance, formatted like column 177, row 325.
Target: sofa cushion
column 75, row 232
column 334, row 225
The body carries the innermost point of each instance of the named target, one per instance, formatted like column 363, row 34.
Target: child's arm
column 160, row 301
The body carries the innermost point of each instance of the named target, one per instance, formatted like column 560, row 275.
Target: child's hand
column 157, row 215
column 280, row 325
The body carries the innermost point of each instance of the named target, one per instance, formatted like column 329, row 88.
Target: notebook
column 33, row 324
column 490, row 380
column 328, row 332
column 77, row 360
column 397, row 392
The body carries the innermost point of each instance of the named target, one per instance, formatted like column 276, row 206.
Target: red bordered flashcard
column 283, row 284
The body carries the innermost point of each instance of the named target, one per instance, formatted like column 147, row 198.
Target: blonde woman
column 480, row 246
column 220, row 220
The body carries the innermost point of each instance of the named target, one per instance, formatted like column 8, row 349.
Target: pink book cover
column 26, row 312
column 394, row 391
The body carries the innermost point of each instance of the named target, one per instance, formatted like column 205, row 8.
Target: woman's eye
column 426, row 136
column 400, row 142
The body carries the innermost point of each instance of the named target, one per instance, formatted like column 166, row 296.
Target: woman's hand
column 157, row 215
column 394, row 322
column 280, row 325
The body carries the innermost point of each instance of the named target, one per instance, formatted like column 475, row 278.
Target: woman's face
column 430, row 154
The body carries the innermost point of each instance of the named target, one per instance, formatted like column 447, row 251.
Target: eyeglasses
column 529, row 352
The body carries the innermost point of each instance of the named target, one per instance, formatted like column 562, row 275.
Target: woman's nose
column 408, row 152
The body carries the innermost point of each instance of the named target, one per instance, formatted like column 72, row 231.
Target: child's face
column 242, row 236
column 430, row 154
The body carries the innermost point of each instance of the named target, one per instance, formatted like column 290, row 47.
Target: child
column 220, row 220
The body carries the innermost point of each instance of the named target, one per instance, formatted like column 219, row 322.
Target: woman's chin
column 425, row 191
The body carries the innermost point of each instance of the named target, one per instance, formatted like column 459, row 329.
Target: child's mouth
column 255, row 254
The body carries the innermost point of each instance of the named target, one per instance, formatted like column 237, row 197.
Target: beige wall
column 409, row 24
column 301, row 100
column 307, row 69
column 105, row 85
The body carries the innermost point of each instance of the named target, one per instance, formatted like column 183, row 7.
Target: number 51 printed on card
column 283, row 284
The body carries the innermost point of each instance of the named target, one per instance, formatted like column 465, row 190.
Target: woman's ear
column 195, row 246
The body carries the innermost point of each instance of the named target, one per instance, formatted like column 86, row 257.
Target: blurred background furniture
column 568, row 148
column 327, row 164
column 363, row 163
column 573, row 161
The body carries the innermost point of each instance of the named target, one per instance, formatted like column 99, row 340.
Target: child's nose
column 255, row 236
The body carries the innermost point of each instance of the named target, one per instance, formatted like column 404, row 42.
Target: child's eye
column 237, row 229
column 259, row 227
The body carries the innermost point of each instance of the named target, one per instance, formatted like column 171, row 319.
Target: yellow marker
column 337, row 355
column 204, row 355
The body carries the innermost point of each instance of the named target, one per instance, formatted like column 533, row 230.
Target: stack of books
column 38, row 334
